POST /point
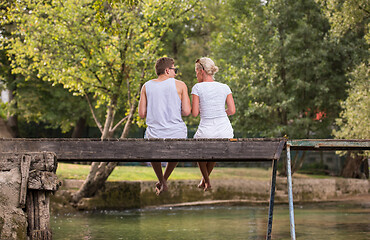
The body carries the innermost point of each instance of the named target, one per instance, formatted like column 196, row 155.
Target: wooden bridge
column 36, row 160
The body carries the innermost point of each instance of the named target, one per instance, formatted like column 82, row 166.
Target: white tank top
column 163, row 115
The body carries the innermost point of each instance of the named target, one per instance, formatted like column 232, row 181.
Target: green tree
column 355, row 117
column 7, row 79
column 39, row 102
column 287, row 74
column 354, row 122
column 192, row 40
column 352, row 18
column 102, row 50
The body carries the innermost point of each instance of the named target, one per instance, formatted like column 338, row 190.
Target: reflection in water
column 319, row 221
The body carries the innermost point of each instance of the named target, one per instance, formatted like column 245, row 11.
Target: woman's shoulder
column 220, row 84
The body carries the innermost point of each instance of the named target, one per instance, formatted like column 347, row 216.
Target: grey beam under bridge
column 142, row 150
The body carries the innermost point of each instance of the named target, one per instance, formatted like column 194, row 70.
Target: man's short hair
column 162, row 64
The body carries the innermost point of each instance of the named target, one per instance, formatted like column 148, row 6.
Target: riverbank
column 120, row 195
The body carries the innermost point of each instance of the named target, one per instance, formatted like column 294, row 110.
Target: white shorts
column 215, row 128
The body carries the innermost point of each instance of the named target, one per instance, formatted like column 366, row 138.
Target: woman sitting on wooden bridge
column 208, row 99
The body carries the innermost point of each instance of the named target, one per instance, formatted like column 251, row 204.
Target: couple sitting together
column 164, row 100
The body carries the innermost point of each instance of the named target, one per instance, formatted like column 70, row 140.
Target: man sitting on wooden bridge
column 162, row 102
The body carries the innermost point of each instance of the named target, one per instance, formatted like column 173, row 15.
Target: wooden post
column 38, row 215
column 41, row 181
column 25, row 169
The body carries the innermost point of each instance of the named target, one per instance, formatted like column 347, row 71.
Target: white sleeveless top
column 163, row 115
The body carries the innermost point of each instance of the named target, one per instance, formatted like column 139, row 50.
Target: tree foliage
column 102, row 50
column 355, row 117
column 287, row 74
column 352, row 17
column 97, row 49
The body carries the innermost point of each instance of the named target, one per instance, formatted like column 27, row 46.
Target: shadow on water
column 316, row 221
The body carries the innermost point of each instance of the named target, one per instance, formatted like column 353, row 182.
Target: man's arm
column 185, row 101
column 142, row 103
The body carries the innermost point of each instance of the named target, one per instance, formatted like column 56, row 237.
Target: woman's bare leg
column 204, row 171
column 210, row 166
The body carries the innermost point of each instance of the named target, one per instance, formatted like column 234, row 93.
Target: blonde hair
column 207, row 65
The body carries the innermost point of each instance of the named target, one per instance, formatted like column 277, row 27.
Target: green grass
column 144, row 173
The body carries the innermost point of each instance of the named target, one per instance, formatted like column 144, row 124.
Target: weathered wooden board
column 25, row 169
column 40, row 180
column 38, row 203
column 37, row 171
column 41, row 161
column 329, row 144
column 137, row 150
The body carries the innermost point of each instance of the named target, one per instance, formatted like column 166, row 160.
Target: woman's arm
column 142, row 103
column 230, row 105
column 195, row 108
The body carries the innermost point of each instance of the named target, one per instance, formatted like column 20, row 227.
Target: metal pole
column 272, row 197
column 290, row 192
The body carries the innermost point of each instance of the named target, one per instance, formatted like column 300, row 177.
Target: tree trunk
column 127, row 127
column 100, row 171
column 356, row 166
column 79, row 129
column 5, row 131
column 12, row 120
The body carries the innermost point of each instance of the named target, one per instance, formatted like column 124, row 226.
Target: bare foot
column 160, row 188
column 207, row 187
column 201, row 184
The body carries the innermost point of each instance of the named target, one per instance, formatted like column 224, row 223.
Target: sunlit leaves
column 105, row 49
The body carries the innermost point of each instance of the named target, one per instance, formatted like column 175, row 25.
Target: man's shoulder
column 151, row 80
column 180, row 83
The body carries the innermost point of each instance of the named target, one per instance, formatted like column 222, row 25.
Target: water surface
column 315, row 221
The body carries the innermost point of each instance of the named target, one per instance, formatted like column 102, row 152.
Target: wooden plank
column 279, row 150
column 142, row 150
column 25, row 169
column 38, row 216
column 9, row 161
column 30, row 209
column 44, row 213
column 41, row 161
column 40, row 180
column 329, row 144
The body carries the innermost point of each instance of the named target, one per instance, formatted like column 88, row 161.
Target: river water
column 314, row 221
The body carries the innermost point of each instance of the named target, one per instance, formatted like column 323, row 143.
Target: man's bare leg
column 169, row 169
column 162, row 185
